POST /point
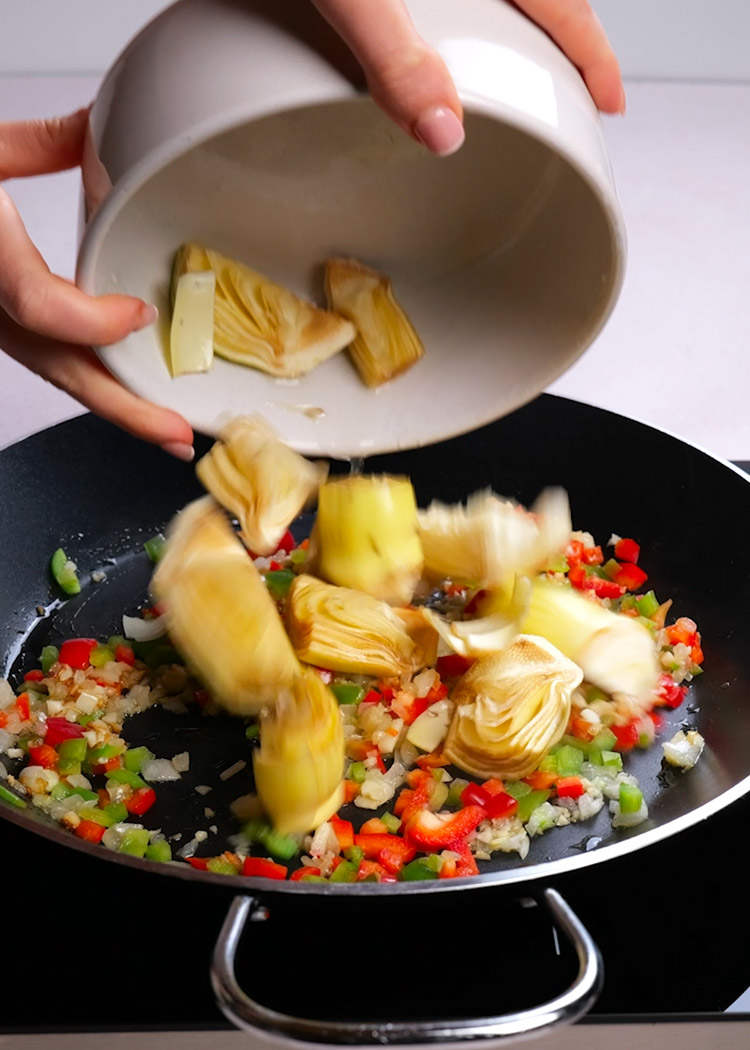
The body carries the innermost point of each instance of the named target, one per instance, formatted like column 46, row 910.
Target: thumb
column 405, row 76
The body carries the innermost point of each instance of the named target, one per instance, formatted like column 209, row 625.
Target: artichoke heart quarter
column 261, row 324
column 511, row 708
column 260, row 480
column 490, row 538
column 345, row 630
column 365, row 536
column 219, row 612
column 386, row 343
column 299, row 766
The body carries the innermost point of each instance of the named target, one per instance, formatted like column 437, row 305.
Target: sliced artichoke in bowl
column 260, row 480
column 219, row 613
column 365, row 536
column 261, row 324
column 511, row 708
column 345, row 630
column 299, row 766
column 386, row 343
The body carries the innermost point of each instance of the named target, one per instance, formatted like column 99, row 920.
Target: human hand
column 49, row 325
column 412, row 84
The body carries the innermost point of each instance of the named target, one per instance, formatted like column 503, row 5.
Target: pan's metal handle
column 245, row 1013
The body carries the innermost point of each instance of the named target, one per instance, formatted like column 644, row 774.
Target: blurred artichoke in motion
column 511, row 708
column 488, row 633
column 345, row 630
column 219, row 612
column 260, row 480
column 490, row 539
column 299, row 766
column 615, row 652
column 261, row 324
column 365, row 536
column 386, row 343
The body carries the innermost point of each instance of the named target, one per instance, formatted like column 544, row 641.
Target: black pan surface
column 92, row 489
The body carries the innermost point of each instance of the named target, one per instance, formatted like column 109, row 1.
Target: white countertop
column 675, row 352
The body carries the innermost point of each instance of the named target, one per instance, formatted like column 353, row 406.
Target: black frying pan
column 99, row 494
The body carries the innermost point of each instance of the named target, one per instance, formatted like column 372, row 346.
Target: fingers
column 78, row 371
column 578, row 32
column 404, row 75
column 51, row 306
column 37, row 147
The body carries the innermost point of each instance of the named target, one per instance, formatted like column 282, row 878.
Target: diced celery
column 392, row 822
column 159, row 850
column 438, row 796
column 647, row 604
column 99, row 816
column 613, row 759
column 48, row 657
column 346, row 871
column 517, row 788
column 134, row 758
column 155, row 547
column 357, row 772
column 569, row 760
column 418, row 870
column 221, row 866
column 134, row 841
column 528, row 803
column 631, row 798
column 347, row 692
column 10, row 796
column 101, row 655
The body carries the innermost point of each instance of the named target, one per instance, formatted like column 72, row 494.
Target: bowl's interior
column 503, row 255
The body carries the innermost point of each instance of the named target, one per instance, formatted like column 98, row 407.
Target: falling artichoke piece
column 191, row 336
column 490, row 633
column 259, row 323
column 511, row 708
column 260, row 480
column 490, row 539
column 345, row 630
column 219, row 612
column 299, row 765
column 615, row 652
column 386, row 343
column 365, row 536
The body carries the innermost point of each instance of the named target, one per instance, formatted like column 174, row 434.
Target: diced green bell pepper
column 517, row 788
column 156, row 653
column 417, row 870
column 252, row 732
column 355, row 854
column 569, row 760
column 134, row 841
column 528, row 803
column 48, row 657
column 345, row 872
column 357, row 772
column 283, row 847
column 454, row 791
column 433, row 861
column 549, row 764
column 99, row 816
column 155, row 547
column 611, row 568
column 64, row 572
column 95, row 755
column 631, row 798
column 126, row 776
column 279, row 581
column 101, row 655
column 221, row 866
column 298, row 556
column 647, row 604
column 117, row 811
column 347, row 692
column 63, row 790
column 392, row 822
column 159, row 850
column 70, row 755
column 612, row 759
column 312, row 878
column 134, row 758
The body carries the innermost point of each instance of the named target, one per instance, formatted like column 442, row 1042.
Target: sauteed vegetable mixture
column 419, row 689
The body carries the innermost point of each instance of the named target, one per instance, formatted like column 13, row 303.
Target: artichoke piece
column 511, row 708
column 490, row 539
column 365, row 536
column 299, row 766
column 219, row 612
column 491, row 633
column 345, row 630
column 615, row 652
column 191, row 335
column 386, row 343
column 260, row 480
column 261, row 324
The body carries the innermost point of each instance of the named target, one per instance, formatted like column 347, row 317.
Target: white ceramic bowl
column 220, row 125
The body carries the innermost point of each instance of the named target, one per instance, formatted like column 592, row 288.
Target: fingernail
column 623, row 104
column 148, row 316
column 440, row 130
column 180, row 450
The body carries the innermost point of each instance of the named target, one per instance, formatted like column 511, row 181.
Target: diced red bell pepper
column 140, row 801
column 627, row 550
column 569, row 787
column 493, row 786
column 574, row 553
column 501, row 805
column 474, row 602
column 372, row 696
column 351, row 790
column 420, row 797
column 124, row 655
column 438, row 692
column 592, row 556
column 76, row 652
column 374, row 826
column 453, row 665
column 656, row 719
column 605, row 588
column 395, row 856
column 43, row 755
column 90, row 831
column 684, row 631
column 3, row 720
column 434, row 760
column 372, row 844
column 434, row 831
column 627, row 735
column 630, row 576
column 286, row 543
column 417, row 707
column 269, row 869
column 299, row 873
column 474, row 795
column 582, row 729
column 669, row 693
column 465, row 865
column 34, row 676
column 100, row 768
column 368, row 868
column 59, row 729
column 23, row 707
column 344, row 830
column 199, row 863
column 696, row 654
column 540, row 780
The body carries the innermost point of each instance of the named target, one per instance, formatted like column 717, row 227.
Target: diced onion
column 159, row 769
column 140, row 630
column 7, row 740
column 7, row 696
column 181, row 762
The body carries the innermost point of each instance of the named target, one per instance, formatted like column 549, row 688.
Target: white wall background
column 681, row 39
